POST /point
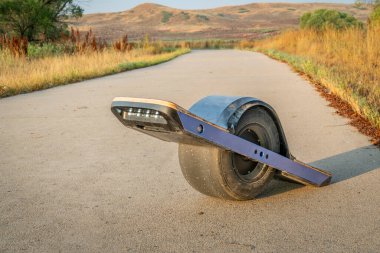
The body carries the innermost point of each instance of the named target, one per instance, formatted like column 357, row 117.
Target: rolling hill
column 235, row 22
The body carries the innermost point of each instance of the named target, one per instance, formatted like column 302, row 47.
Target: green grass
column 45, row 50
column 172, row 53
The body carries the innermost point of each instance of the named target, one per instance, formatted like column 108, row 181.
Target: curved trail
column 73, row 179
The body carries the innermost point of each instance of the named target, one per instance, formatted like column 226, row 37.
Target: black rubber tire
column 224, row 174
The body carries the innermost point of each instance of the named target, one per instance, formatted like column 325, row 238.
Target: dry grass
column 346, row 62
column 20, row 74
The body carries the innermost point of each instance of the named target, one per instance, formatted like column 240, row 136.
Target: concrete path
column 73, row 179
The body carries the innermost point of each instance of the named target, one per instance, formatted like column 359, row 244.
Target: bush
column 322, row 19
column 45, row 50
column 202, row 18
column 185, row 15
column 375, row 16
column 242, row 10
column 166, row 16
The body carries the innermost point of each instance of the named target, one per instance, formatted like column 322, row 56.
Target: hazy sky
column 93, row 6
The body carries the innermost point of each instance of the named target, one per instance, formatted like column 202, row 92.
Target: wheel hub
column 245, row 168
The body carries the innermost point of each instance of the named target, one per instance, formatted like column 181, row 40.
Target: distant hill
column 244, row 21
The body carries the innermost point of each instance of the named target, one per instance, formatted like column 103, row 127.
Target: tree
column 322, row 19
column 31, row 18
column 359, row 4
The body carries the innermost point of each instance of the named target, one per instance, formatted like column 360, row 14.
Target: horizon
column 100, row 6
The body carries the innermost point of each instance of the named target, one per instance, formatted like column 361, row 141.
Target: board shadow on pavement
column 351, row 163
column 342, row 166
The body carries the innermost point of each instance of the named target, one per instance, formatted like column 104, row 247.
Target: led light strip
column 143, row 115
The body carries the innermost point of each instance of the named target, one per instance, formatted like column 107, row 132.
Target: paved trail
column 73, row 179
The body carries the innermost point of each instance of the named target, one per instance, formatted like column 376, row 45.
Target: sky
column 95, row 6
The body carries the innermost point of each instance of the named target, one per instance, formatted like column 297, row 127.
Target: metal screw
column 200, row 129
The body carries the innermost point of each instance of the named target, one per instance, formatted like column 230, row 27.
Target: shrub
column 185, row 15
column 45, row 50
column 202, row 18
column 359, row 4
column 375, row 16
column 166, row 16
column 322, row 19
column 242, row 10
